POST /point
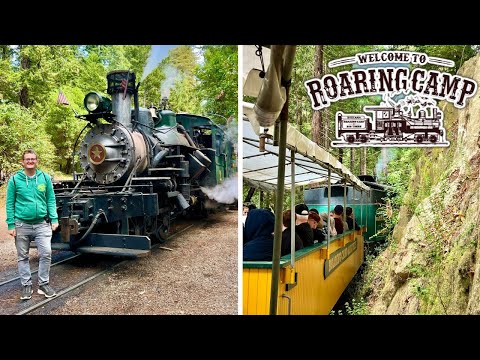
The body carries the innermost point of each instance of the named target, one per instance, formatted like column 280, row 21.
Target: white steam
column 171, row 75
column 155, row 57
column 231, row 133
column 225, row 193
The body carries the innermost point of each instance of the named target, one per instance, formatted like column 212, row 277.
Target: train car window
column 337, row 191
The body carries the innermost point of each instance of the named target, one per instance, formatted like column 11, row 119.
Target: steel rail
column 73, row 287
column 35, row 271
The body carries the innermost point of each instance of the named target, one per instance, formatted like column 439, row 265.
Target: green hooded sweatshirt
column 29, row 200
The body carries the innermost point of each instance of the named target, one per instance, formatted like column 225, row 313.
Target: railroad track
column 35, row 271
column 69, row 289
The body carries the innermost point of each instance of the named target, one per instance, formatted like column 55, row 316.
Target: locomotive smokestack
column 121, row 86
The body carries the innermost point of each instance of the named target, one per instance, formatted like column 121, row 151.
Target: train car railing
column 313, row 286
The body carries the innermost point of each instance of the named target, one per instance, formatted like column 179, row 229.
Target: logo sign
column 338, row 257
column 408, row 114
column 96, row 154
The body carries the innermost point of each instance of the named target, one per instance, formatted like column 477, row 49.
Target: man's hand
column 12, row 232
column 54, row 226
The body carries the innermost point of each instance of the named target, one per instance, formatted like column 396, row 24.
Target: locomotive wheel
column 163, row 229
column 351, row 139
column 433, row 138
column 162, row 234
column 363, row 138
column 153, row 229
column 137, row 225
column 419, row 139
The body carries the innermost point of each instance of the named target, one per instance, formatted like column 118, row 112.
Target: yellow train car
column 313, row 286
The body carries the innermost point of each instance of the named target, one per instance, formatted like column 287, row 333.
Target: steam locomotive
column 390, row 124
column 142, row 168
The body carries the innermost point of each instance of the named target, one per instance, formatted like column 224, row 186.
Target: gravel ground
column 198, row 277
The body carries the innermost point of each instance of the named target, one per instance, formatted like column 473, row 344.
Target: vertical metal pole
column 328, row 210
column 292, row 205
column 344, row 216
column 353, row 206
column 288, row 58
column 277, row 242
column 361, row 207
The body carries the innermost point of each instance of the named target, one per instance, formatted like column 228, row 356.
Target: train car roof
column 260, row 169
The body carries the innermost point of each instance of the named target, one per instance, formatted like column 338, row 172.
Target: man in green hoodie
column 32, row 216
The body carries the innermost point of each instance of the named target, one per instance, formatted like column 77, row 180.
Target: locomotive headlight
column 95, row 102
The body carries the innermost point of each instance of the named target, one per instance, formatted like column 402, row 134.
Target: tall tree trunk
column 326, row 122
column 317, row 116
column 4, row 52
column 250, row 193
column 69, row 166
column 363, row 161
column 24, row 64
column 352, row 160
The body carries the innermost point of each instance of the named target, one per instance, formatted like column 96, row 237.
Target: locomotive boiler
column 142, row 168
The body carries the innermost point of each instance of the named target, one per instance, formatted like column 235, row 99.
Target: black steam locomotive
column 391, row 124
column 142, row 168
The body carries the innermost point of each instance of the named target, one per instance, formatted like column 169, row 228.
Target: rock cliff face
column 432, row 265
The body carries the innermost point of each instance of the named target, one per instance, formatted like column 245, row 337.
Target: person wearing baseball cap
column 302, row 228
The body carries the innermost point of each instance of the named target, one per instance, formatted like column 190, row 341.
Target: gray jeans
column 42, row 235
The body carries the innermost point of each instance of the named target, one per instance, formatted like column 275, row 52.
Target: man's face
column 29, row 161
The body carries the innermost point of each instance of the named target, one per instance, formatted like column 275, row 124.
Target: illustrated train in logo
column 391, row 126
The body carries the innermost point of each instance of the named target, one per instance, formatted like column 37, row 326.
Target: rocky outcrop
column 432, row 265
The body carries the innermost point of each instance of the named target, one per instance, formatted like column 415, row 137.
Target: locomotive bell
column 121, row 86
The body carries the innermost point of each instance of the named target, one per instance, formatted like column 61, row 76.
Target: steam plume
column 225, row 193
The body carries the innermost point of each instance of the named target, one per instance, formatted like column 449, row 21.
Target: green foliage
column 269, row 198
column 18, row 132
column 218, row 78
column 184, row 97
column 183, row 58
column 399, row 173
column 357, row 307
column 457, row 53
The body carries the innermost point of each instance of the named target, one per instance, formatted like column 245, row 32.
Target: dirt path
column 198, row 277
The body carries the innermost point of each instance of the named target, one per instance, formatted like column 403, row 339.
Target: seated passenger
column 244, row 214
column 313, row 220
column 302, row 228
column 286, row 235
column 350, row 219
column 337, row 217
column 258, row 235
column 331, row 224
